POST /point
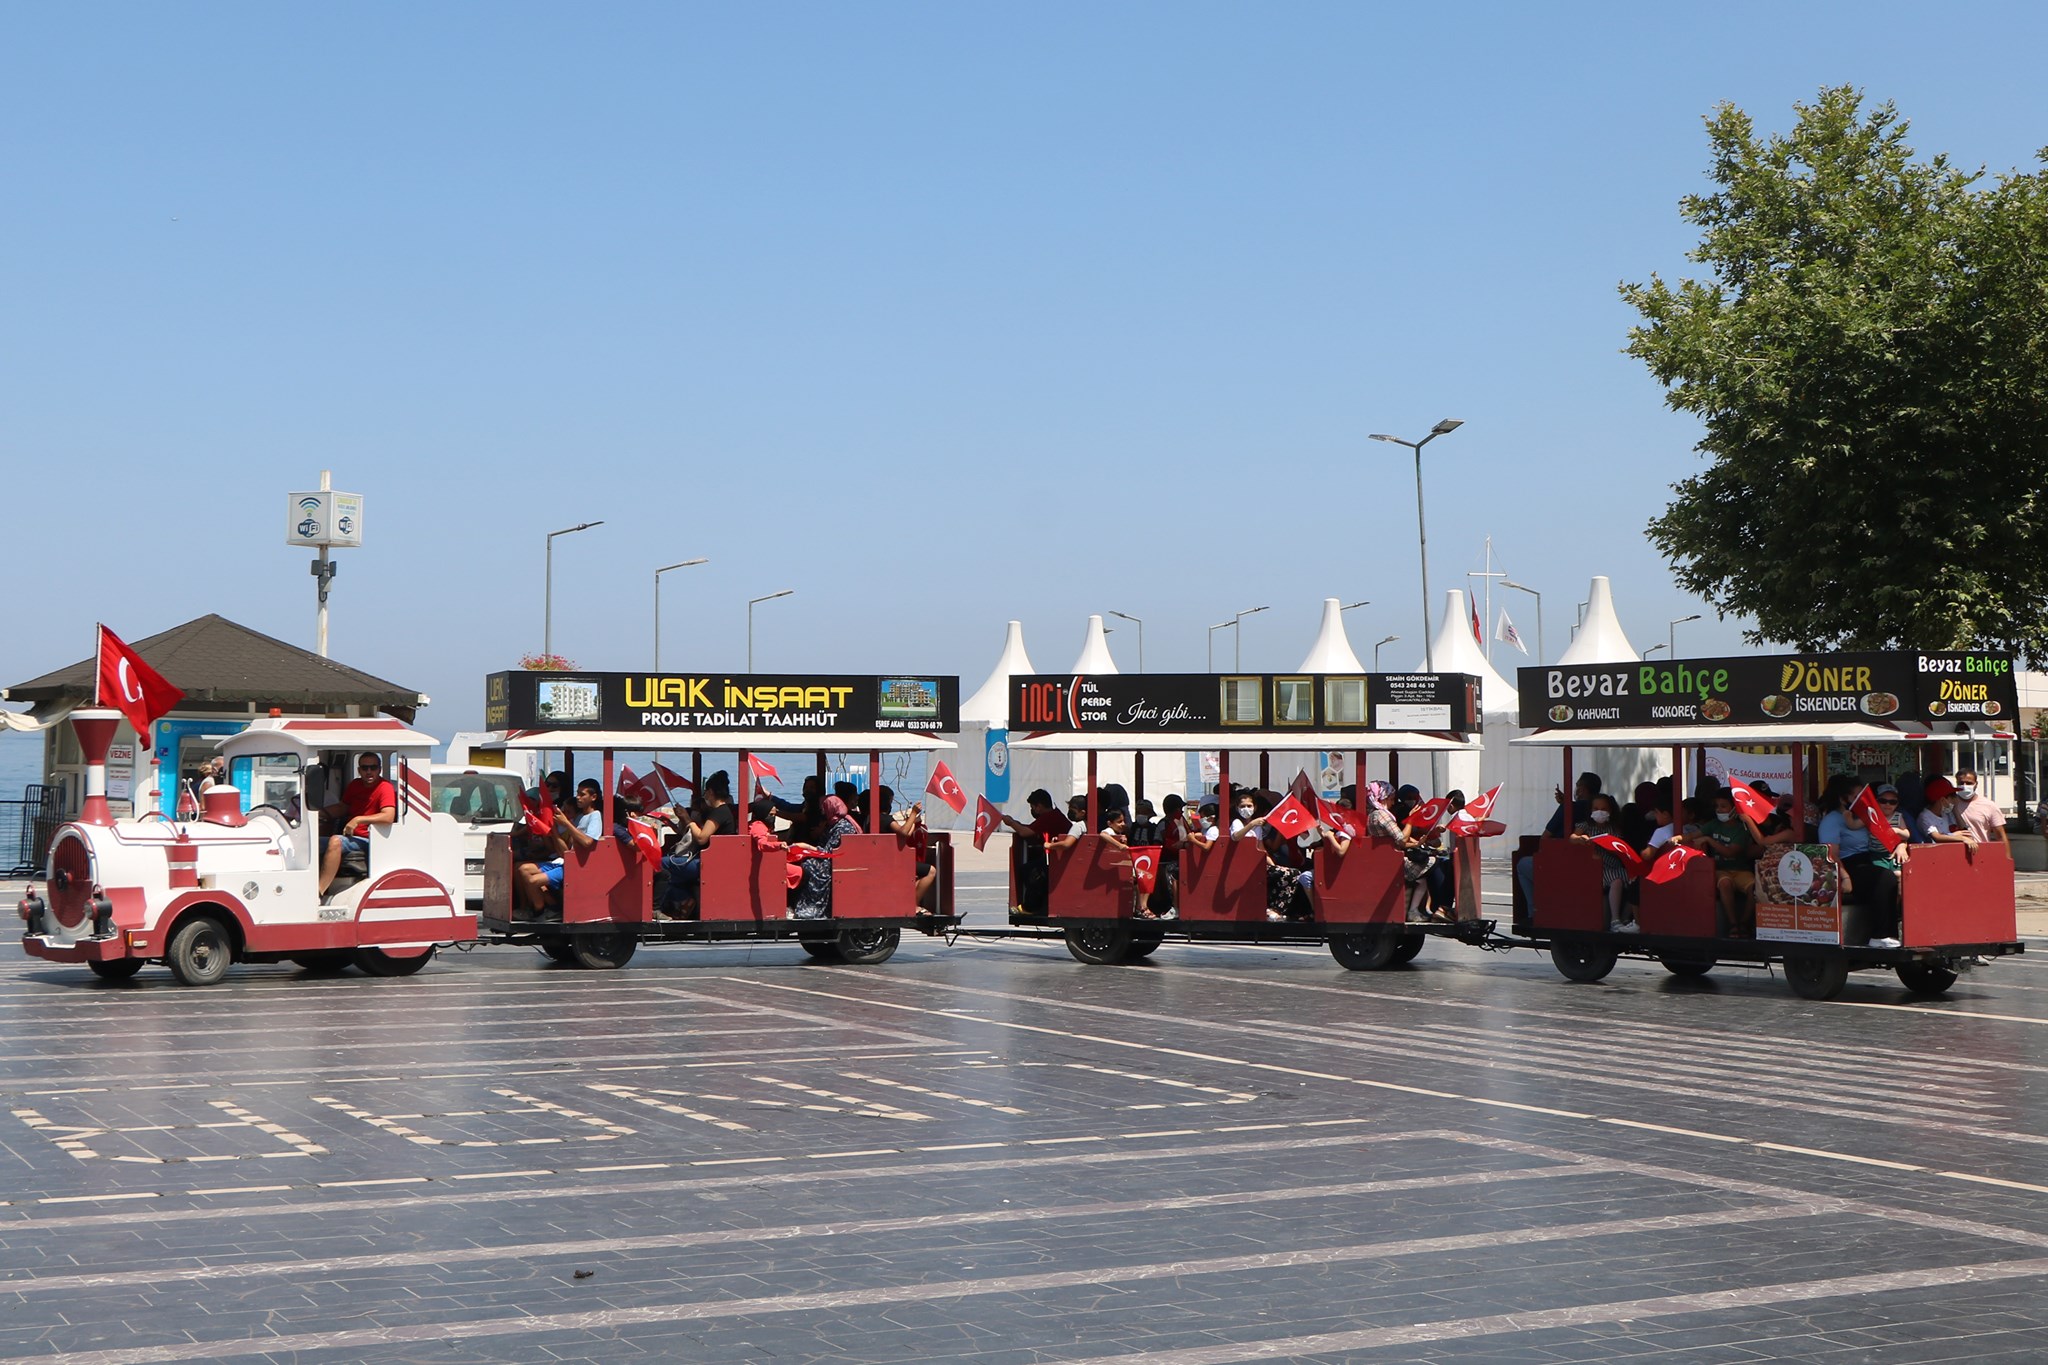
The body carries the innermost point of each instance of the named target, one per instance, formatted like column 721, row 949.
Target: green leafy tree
column 1869, row 357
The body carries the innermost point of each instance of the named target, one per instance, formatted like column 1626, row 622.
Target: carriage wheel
column 603, row 952
column 1583, row 964
column 1365, row 952
column 1926, row 978
column 119, row 969
column 1688, row 966
column 866, row 947
column 325, row 963
column 199, row 953
column 1100, row 947
column 1814, row 976
column 377, row 962
column 1408, row 947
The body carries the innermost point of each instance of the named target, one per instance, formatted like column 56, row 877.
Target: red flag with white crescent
column 673, row 781
column 1145, row 868
column 646, row 790
column 947, row 788
column 1423, row 819
column 540, row 816
column 988, row 818
column 1291, row 817
column 131, row 686
column 1631, row 861
column 1670, row 863
column 1875, row 820
column 759, row 767
column 1753, row 803
column 646, row 840
column 1343, row 821
column 1481, row 806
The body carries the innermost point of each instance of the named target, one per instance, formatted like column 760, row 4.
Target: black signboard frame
column 1250, row 704
column 1909, row 687
column 731, row 705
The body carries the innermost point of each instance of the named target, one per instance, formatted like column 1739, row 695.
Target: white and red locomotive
column 200, row 894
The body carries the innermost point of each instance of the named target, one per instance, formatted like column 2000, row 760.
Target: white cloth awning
column 725, row 741
column 1341, row 741
column 1690, row 736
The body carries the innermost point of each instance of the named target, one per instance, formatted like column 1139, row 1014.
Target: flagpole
column 99, row 652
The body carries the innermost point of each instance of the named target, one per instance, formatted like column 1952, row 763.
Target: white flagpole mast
column 1489, row 575
column 99, row 651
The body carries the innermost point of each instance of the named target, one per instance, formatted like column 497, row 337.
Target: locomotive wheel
column 123, row 968
column 1143, row 946
column 1365, row 952
column 1814, row 977
column 325, row 964
column 1100, row 947
column 200, row 951
column 823, row 949
column 377, row 962
column 1585, row 965
column 1921, row 978
column 866, row 947
column 1407, row 947
column 1687, row 966
column 603, row 952
column 558, row 950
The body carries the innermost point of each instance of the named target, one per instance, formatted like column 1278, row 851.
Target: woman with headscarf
column 812, row 898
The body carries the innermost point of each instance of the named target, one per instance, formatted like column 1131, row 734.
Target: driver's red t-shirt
column 369, row 798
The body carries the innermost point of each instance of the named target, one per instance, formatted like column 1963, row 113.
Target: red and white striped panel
column 416, row 791
column 404, row 895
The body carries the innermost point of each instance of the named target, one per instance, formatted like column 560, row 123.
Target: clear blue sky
column 938, row 314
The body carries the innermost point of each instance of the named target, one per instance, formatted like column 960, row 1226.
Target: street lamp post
column 1220, row 625
column 1523, row 587
column 752, row 602
column 1123, row 616
column 1376, row 650
column 1354, row 606
column 680, row 564
column 1443, row 428
column 1653, row 649
column 1237, row 635
column 1671, row 652
column 547, row 628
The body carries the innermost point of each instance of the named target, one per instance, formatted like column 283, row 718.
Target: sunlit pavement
column 988, row 1151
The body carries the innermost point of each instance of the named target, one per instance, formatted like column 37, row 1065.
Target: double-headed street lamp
column 680, row 564
column 1123, row 616
column 752, row 602
column 547, row 628
column 1671, row 641
column 1443, row 428
column 1376, row 650
column 1237, row 635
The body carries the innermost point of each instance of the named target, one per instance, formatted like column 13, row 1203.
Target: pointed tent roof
column 214, row 659
column 990, row 703
column 1095, row 655
column 1455, row 651
column 1601, row 639
column 1331, row 653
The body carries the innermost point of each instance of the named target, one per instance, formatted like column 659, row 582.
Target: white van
column 484, row 801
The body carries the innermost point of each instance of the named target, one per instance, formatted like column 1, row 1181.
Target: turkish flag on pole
column 540, row 817
column 646, row 841
column 944, row 786
column 1670, row 863
column 1338, row 819
column 646, row 790
column 1752, row 803
column 673, row 781
column 1423, row 818
column 1477, row 638
column 758, row 766
column 988, row 818
column 1481, row 806
column 1873, row 816
column 1631, row 861
column 125, row 682
column 1291, row 817
column 1145, row 868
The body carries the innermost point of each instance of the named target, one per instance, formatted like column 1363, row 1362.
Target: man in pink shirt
column 1976, row 813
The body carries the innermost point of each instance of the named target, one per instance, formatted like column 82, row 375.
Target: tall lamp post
column 1376, row 650
column 1653, row 649
column 680, row 564
column 1354, row 606
column 1443, row 428
column 1237, row 635
column 1220, row 625
column 1122, row 616
column 752, row 602
column 1523, row 587
column 1671, row 638
column 547, row 628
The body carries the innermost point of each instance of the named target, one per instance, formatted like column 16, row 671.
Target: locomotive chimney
column 95, row 730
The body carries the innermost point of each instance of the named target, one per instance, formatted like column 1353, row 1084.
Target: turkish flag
column 646, row 790
column 1339, row 819
column 1145, row 868
column 1303, row 790
column 1631, row 861
column 540, row 816
column 1423, row 819
column 1670, row 863
column 988, row 818
column 1291, row 817
column 673, row 781
column 1481, row 806
column 947, row 788
column 1752, row 803
column 1463, row 826
column 646, row 841
column 1477, row 638
column 125, row 682
column 758, row 766
column 1873, row 816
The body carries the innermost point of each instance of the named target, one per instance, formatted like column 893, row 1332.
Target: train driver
column 369, row 800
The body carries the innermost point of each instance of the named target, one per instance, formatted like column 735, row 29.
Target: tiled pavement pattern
column 989, row 1152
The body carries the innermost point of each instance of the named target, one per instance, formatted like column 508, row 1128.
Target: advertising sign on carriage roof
column 720, row 703
column 1900, row 687
column 1256, row 703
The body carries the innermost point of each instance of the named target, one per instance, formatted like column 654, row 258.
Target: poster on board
column 1798, row 896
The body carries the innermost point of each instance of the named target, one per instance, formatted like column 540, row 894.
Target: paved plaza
column 989, row 1152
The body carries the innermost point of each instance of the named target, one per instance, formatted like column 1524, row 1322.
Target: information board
column 1256, row 703
column 1798, row 895
column 721, row 703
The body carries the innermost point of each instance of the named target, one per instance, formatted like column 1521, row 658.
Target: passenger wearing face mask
column 1976, row 813
column 1937, row 823
column 1601, row 818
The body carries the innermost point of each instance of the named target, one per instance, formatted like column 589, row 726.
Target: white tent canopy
column 1600, row 640
column 990, row 704
column 1331, row 653
column 1095, row 655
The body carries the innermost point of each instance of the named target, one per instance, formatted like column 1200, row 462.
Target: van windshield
column 480, row 798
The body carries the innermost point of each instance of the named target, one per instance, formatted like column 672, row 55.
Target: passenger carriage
column 1957, row 903
column 607, row 908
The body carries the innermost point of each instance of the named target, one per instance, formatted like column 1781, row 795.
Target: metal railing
column 26, row 827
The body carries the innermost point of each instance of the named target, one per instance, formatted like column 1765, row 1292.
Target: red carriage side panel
column 1684, row 906
column 1954, row 894
column 604, row 883
column 1223, row 882
column 874, row 877
column 742, row 881
column 1568, row 894
column 1091, row 880
column 1362, row 885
